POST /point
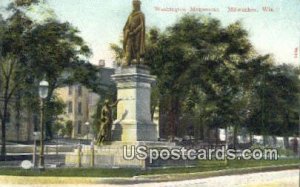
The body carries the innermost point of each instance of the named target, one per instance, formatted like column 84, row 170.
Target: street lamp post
column 299, row 127
column 43, row 93
column 226, row 144
column 36, row 136
column 88, row 131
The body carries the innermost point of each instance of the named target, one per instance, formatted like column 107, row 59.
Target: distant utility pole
column 299, row 109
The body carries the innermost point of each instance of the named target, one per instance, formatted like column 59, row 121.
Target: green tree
column 54, row 108
column 198, row 53
column 46, row 49
column 275, row 102
column 10, row 81
column 213, row 73
column 69, row 128
column 15, row 74
column 51, row 50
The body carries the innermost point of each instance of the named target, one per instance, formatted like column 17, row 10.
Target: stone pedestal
column 133, row 127
column 111, row 155
column 133, row 111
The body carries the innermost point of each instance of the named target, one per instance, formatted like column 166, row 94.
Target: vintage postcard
column 150, row 93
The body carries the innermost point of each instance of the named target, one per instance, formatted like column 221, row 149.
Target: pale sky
column 101, row 21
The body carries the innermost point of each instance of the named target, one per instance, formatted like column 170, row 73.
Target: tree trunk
column 208, row 138
column 30, row 123
column 274, row 141
column 3, row 140
column 201, row 129
column 251, row 138
column 161, row 119
column 173, row 117
column 216, row 136
column 4, row 119
column 235, row 139
column 18, row 115
column 176, row 109
column 48, row 117
column 3, row 123
column 171, row 122
column 286, row 142
column 265, row 139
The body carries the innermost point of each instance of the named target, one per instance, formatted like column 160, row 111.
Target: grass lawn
column 93, row 172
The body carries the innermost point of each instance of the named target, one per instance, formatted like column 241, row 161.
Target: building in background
column 81, row 103
column 76, row 99
column 21, row 121
column 20, row 126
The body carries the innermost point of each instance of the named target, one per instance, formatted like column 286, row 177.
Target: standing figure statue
column 134, row 35
column 104, row 133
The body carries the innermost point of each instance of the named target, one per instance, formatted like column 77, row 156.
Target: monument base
column 127, row 131
column 112, row 154
column 133, row 127
column 134, row 121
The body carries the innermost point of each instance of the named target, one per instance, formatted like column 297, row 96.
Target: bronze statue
column 134, row 35
column 104, row 133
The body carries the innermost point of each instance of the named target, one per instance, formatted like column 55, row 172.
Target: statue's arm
column 115, row 104
column 141, row 25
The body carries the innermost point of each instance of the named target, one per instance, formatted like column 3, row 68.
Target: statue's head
column 136, row 5
column 106, row 102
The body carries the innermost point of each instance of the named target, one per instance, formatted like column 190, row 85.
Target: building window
column 79, row 127
column 79, row 90
column 70, row 107
column 79, row 108
column 70, row 90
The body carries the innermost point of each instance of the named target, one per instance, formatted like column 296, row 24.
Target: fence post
column 92, row 154
column 79, row 155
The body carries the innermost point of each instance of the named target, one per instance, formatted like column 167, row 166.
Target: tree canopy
column 213, row 73
column 48, row 49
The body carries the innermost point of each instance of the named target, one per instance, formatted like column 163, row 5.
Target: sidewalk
column 140, row 179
